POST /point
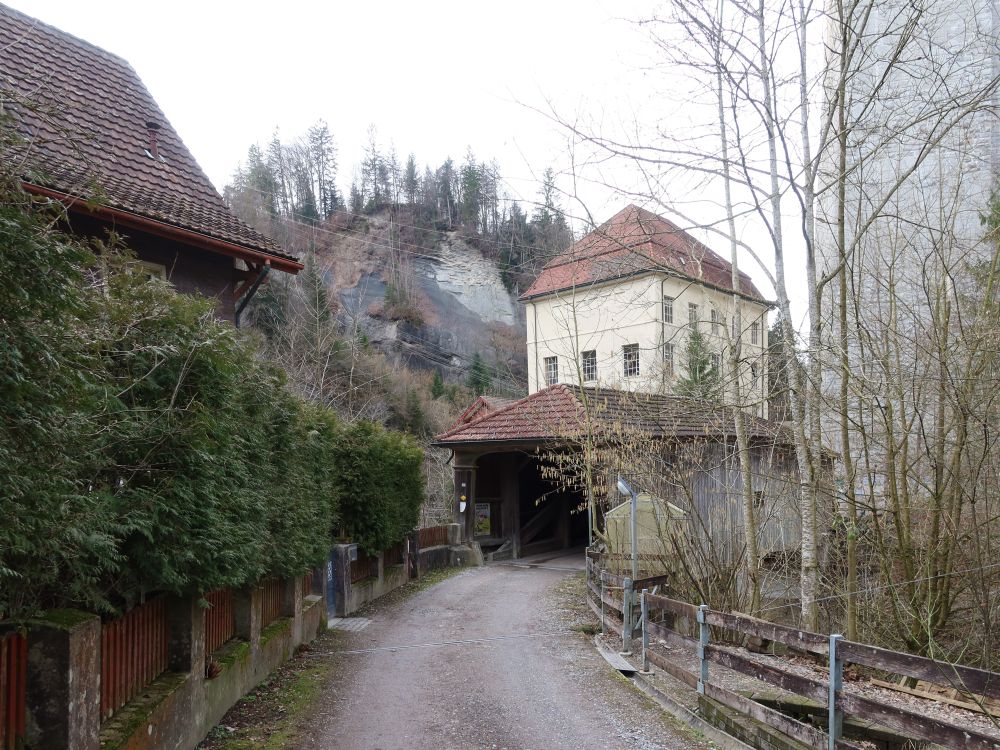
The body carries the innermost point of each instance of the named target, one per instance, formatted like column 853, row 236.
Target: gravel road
column 521, row 679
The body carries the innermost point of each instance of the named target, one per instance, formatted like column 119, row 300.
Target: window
column 668, row 309
column 668, row 359
column 692, row 314
column 551, row 370
column 716, row 362
column 754, row 374
column 715, row 322
column 754, row 332
column 148, row 270
column 589, row 366
column 630, row 358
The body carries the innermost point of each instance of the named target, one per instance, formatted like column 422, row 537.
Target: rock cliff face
column 454, row 303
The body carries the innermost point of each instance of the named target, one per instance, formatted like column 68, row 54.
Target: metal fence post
column 604, row 630
column 702, row 643
column 836, row 716
column 645, row 632
column 627, row 616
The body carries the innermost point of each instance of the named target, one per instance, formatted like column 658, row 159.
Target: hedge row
column 147, row 447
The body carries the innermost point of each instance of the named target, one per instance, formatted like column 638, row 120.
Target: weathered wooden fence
column 272, row 592
column 220, row 619
column 395, row 555
column 433, row 536
column 366, row 566
column 13, row 687
column 628, row 608
column 133, row 653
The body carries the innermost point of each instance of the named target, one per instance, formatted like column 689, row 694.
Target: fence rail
column 270, row 601
column 840, row 702
column 220, row 619
column 13, row 689
column 433, row 536
column 133, row 653
column 366, row 566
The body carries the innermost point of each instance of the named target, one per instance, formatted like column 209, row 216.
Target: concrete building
column 615, row 310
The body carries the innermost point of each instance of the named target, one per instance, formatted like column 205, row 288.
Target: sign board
column 484, row 524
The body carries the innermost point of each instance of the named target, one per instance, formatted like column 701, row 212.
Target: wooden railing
column 364, row 567
column 271, row 601
column 220, row 619
column 625, row 610
column 433, row 536
column 13, row 689
column 133, row 653
column 394, row 555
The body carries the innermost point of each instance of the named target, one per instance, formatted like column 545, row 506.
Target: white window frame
column 755, row 332
column 668, row 359
column 668, row 309
column 630, row 360
column 588, row 365
column 692, row 314
column 550, row 368
column 715, row 322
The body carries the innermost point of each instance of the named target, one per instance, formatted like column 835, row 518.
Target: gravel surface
column 495, row 657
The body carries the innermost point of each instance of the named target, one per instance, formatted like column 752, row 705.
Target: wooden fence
column 394, row 555
column 13, row 688
column 220, row 619
column 366, row 566
column 433, row 536
column 133, row 653
column 270, row 600
column 626, row 609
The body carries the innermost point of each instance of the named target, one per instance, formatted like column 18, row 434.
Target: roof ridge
column 37, row 23
column 479, row 419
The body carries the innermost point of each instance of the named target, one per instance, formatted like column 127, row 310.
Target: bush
column 148, row 447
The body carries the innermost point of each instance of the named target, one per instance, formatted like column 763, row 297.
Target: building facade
column 617, row 310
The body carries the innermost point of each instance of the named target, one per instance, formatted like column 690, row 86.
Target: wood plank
column 769, row 716
column 793, row 683
column 672, row 637
column 608, row 599
column 968, row 705
column 683, row 609
column 648, row 583
column 966, row 679
column 915, row 725
column 794, row 637
column 611, row 623
column 674, row 670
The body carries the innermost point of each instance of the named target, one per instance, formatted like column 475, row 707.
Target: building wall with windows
column 631, row 334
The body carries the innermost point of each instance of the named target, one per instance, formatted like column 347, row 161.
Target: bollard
column 645, row 632
column 835, row 716
column 702, row 643
column 627, row 617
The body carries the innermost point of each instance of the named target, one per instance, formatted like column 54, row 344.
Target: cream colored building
column 616, row 310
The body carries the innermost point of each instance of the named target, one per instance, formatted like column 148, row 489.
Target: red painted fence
column 133, row 653
column 271, row 601
column 364, row 567
column 13, row 685
column 433, row 536
column 220, row 620
column 394, row 555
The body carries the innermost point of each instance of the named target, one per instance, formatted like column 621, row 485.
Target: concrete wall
column 606, row 317
column 179, row 708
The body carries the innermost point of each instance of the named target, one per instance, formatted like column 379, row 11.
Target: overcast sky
column 433, row 77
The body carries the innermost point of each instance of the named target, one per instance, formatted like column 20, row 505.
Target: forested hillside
column 408, row 305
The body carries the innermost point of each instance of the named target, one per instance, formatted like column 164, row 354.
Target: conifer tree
column 702, row 380
column 479, row 376
column 437, row 387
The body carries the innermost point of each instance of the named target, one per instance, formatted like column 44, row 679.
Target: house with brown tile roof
column 616, row 309
column 89, row 135
column 504, row 455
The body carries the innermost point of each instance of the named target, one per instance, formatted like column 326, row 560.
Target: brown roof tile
column 558, row 413
column 632, row 242
column 81, row 113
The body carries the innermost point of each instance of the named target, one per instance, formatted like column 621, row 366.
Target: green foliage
column 479, row 376
column 437, row 386
column 381, row 484
column 148, row 447
column 702, row 380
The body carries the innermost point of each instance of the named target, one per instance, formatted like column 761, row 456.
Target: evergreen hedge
column 147, row 447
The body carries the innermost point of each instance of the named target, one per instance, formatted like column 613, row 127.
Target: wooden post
column 835, row 727
column 645, row 633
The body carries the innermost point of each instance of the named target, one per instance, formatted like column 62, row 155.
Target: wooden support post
column 703, row 629
column 835, row 727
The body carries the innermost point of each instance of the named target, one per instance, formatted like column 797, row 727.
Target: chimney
column 153, row 128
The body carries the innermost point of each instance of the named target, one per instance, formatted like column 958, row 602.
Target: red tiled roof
column 632, row 242
column 558, row 413
column 81, row 115
column 482, row 405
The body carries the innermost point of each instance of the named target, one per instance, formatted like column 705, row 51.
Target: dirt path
column 522, row 679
